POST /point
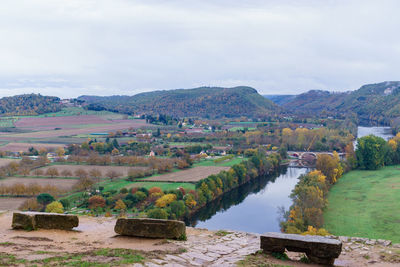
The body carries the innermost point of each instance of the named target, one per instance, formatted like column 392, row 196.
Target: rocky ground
column 94, row 243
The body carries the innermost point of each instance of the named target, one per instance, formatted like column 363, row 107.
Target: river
column 384, row 132
column 254, row 207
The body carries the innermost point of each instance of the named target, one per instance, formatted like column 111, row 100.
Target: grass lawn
column 225, row 163
column 366, row 204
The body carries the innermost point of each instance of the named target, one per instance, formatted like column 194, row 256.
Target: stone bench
column 318, row 249
column 150, row 228
column 43, row 220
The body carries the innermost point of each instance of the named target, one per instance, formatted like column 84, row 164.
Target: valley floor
column 366, row 204
column 94, row 243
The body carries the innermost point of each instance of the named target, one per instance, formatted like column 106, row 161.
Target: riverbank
column 87, row 246
column 365, row 203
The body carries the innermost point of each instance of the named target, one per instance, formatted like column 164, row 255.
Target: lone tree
column 370, row 152
column 44, row 199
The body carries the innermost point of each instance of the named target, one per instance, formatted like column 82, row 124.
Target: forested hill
column 29, row 104
column 201, row 102
column 371, row 103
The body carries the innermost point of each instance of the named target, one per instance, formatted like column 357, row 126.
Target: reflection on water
column 252, row 207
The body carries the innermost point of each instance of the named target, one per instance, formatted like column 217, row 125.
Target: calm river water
column 254, row 207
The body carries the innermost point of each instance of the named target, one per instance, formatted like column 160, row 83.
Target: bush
column 123, row 191
column 55, row 207
column 157, row 213
column 165, row 200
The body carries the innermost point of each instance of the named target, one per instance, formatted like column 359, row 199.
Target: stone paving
column 212, row 250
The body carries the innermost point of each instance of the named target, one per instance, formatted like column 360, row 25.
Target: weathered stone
column 318, row 249
column 384, row 243
column 43, row 220
column 150, row 228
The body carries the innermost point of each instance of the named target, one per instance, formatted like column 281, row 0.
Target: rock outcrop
column 151, row 228
column 42, row 220
column 318, row 249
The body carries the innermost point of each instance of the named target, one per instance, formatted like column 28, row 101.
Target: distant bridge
column 308, row 158
column 303, row 154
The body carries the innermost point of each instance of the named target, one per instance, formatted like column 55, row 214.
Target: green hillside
column 201, row 102
column 378, row 103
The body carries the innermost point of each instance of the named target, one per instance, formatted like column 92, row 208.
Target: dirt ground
column 92, row 233
column 11, row 203
column 191, row 175
column 123, row 170
column 203, row 247
column 63, row 184
column 4, row 162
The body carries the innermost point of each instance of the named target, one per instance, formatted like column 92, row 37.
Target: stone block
column 43, row 220
column 150, row 228
column 318, row 249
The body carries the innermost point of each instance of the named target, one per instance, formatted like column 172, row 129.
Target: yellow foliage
column 165, row 200
column 287, row 132
column 120, row 205
column 55, row 207
column 393, row 144
column 314, row 231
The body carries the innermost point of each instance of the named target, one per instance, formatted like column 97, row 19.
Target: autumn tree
column 96, row 202
column 52, row 172
column 113, row 174
column 81, row 173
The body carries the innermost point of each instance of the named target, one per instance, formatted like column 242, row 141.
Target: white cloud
column 125, row 47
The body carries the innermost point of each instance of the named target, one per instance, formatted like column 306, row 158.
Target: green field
column 366, row 204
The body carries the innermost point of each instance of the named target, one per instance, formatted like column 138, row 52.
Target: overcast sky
column 73, row 47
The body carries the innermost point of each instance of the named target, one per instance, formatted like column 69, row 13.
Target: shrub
column 55, row 207
column 123, row 191
column 120, row 205
column 155, row 190
column 157, row 213
column 165, row 200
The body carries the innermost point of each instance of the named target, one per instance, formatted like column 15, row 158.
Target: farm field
column 191, row 175
column 63, row 184
column 69, row 122
column 366, row 204
column 11, row 203
column 17, row 147
column 123, row 170
column 4, row 161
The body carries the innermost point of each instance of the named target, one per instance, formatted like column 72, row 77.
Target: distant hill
column 378, row 102
column 280, row 99
column 201, row 102
column 29, row 104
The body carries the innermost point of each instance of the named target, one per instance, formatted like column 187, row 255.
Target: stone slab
column 319, row 249
column 150, row 228
column 44, row 220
